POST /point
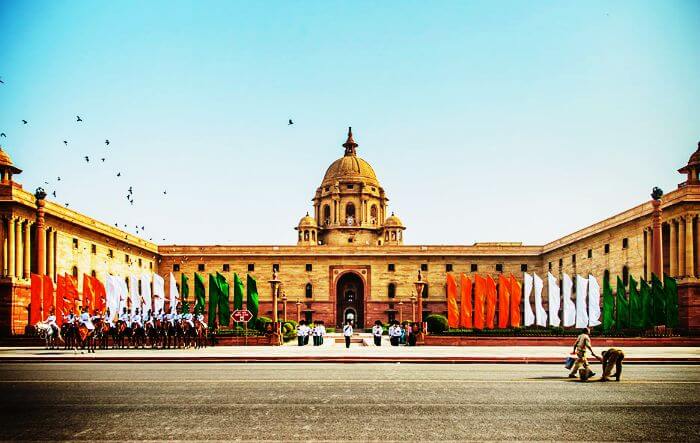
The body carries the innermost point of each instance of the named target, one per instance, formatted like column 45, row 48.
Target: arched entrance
column 350, row 298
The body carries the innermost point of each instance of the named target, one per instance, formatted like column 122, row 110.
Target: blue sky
column 485, row 121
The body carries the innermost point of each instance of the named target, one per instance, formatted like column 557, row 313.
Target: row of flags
column 145, row 292
column 499, row 303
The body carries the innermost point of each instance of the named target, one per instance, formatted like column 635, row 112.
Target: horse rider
column 136, row 320
column 161, row 316
column 85, row 319
column 108, row 319
column 69, row 317
column 51, row 321
column 149, row 320
column 124, row 317
column 200, row 319
column 188, row 317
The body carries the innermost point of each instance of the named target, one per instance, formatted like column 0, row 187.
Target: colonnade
column 682, row 245
column 17, row 252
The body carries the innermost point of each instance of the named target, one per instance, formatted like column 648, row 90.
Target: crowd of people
column 399, row 333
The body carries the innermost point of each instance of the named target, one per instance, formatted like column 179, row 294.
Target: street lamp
column 284, row 304
column 400, row 312
column 420, row 284
column 274, row 285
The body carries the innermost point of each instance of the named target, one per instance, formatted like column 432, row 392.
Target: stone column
column 689, row 258
column 27, row 250
column 40, row 237
column 647, row 242
column 656, row 250
column 681, row 246
column 50, row 259
column 673, row 248
column 19, row 253
column 696, row 230
column 3, row 247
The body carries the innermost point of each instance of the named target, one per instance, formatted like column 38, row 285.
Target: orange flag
column 479, row 299
column 515, row 299
column 88, row 293
column 71, row 295
column 465, row 304
column 60, row 298
column 490, row 302
column 100, row 294
column 452, row 309
column 47, row 295
column 37, row 289
column 503, row 301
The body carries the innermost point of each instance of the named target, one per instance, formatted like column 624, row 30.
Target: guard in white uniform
column 200, row 318
column 51, row 321
column 347, row 333
column 124, row 317
column 86, row 320
column 377, row 332
column 300, row 333
column 136, row 320
column 188, row 317
column 395, row 334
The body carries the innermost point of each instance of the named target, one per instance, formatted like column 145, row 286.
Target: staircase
column 363, row 338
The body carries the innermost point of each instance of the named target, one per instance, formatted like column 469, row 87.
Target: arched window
column 93, row 273
column 350, row 214
column 75, row 272
column 625, row 275
column 606, row 275
column 391, row 292
column 425, row 291
column 309, row 291
column 300, row 235
column 139, row 280
column 326, row 215
column 306, row 235
column 386, row 236
column 373, row 215
column 313, row 236
column 393, row 235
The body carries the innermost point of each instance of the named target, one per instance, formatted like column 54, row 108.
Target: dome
column 307, row 221
column 393, row 221
column 350, row 166
column 7, row 162
column 693, row 161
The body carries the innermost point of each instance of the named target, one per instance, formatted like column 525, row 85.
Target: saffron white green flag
column 581, row 302
column 529, row 317
column 554, row 298
column 174, row 294
column 134, row 297
column 147, row 304
column 569, row 307
column 158, row 294
column 540, row 313
column 593, row 302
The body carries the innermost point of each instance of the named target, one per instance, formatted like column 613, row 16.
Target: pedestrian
column 300, row 333
column 316, row 333
column 347, row 333
column 395, row 335
column 412, row 334
column 405, row 328
column 307, row 333
column 322, row 333
column 612, row 357
column 377, row 331
column 583, row 343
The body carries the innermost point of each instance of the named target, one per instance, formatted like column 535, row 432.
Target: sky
column 484, row 121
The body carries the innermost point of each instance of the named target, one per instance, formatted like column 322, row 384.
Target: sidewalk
column 364, row 352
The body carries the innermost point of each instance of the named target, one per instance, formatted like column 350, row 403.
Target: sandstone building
column 350, row 258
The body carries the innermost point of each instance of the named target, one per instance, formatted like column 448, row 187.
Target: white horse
column 46, row 331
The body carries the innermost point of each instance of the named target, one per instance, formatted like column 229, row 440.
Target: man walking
column 583, row 343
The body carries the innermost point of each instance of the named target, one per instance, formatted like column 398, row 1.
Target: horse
column 69, row 334
column 152, row 333
column 48, row 333
column 200, row 333
column 122, row 332
column 86, row 338
column 188, row 334
column 102, row 333
column 138, row 336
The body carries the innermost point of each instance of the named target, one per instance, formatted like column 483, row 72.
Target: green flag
column 645, row 293
column 199, row 294
column 237, row 292
column 623, row 306
column 252, row 297
column 214, row 294
column 224, row 309
column 636, row 313
column 608, row 306
column 658, row 301
column 184, row 293
column 671, row 290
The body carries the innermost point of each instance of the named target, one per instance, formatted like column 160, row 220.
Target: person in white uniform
column 86, row 320
column 377, row 332
column 51, row 321
column 395, row 334
column 300, row 333
column 347, row 333
column 136, row 320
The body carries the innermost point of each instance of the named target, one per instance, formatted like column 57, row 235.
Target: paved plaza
column 344, row 402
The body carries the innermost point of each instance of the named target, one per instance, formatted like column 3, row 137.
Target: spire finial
column 350, row 144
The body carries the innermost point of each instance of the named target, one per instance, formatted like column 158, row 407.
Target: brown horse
column 86, row 338
column 123, row 332
column 200, row 335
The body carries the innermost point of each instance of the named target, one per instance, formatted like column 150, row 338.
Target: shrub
column 437, row 323
column 260, row 323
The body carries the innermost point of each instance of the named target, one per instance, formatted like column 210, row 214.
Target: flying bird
column 65, row 142
column 131, row 190
column 116, row 225
column 119, row 174
column 66, row 205
column 24, row 121
column 54, row 194
column 59, row 178
column 2, row 134
column 87, row 159
column 103, row 159
column 46, row 183
column 107, row 142
column 132, row 202
column 290, row 122
column 165, row 192
column 78, row 119
column 2, row 81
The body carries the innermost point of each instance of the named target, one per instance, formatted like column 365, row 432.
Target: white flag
column 112, row 296
column 540, row 313
column 554, row 298
column 593, row 302
column 581, row 302
column 123, row 294
column 147, row 304
column 158, row 294
column 529, row 317
column 569, row 307
column 134, row 298
column 174, row 294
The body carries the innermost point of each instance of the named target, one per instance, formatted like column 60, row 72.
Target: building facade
column 350, row 260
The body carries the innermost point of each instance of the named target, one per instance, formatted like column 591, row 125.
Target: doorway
column 350, row 297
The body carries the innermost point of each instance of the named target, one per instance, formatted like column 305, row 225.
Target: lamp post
column 274, row 285
column 40, row 195
column 420, row 284
column 400, row 312
column 656, row 246
column 298, row 310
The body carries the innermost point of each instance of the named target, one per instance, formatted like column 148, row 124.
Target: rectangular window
column 150, row 265
column 424, row 267
column 523, row 268
column 474, row 267
column 251, row 267
column 561, row 262
column 126, row 258
column 110, row 253
column 499, row 267
column 573, row 258
column 226, row 267
column 309, row 267
column 93, row 249
column 140, row 263
column 351, row 186
column 590, row 253
column 448, row 267
column 391, row 267
column 200, row 267
column 75, row 243
column 606, row 248
column 276, row 267
column 625, row 243
column 176, row 267
column 550, row 265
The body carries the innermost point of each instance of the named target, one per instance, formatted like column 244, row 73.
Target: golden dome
column 7, row 162
column 393, row 222
column 350, row 166
column 307, row 222
column 693, row 161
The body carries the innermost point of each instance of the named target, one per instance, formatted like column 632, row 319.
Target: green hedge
column 437, row 323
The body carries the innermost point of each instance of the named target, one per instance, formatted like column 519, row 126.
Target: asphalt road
column 119, row 401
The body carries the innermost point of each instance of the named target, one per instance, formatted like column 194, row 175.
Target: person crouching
column 612, row 357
